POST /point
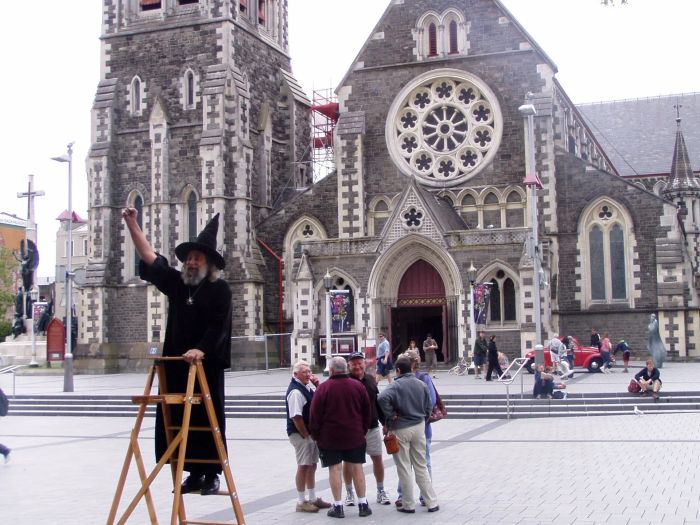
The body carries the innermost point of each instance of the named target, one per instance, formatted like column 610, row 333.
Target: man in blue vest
column 298, row 402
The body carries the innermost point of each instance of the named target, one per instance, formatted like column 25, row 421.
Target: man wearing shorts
column 339, row 419
column 384, row 364
column 481, row 348
column 298, row 402
column 358, row 365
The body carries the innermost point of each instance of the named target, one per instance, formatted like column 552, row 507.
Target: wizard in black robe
column 198, row 327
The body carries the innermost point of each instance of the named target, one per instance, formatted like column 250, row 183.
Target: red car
column 584, row 357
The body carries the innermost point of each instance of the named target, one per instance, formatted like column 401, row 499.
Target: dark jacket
column 493, row 352
column 340, row 413
column 595, row 340
column 480, row 347
column 376, row 414
column 644, row 374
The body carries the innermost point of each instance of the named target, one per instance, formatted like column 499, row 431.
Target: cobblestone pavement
column 584, row 470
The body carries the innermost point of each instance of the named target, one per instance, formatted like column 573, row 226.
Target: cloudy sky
column 50, row 60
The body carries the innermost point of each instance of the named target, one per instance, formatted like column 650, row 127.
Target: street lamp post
column 68, row 358
column 528, row 111
column 327, row 283
column 471, row 275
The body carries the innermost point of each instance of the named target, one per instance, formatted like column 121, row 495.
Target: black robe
column 205, row 325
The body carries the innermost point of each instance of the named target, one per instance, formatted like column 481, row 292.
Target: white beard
column 192, row 277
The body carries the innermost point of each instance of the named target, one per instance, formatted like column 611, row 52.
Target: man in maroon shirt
column 339, row 419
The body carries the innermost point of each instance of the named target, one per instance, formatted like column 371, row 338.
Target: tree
column 8, row 273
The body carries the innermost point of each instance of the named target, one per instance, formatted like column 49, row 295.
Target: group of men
column 338, row 421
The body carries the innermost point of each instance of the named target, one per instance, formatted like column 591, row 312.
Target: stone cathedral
column 198, row 112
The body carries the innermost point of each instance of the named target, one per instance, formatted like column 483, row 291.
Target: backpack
column 4, row 403
column 439, row 409
column 633, row 387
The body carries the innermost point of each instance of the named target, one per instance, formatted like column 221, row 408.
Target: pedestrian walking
column 384, row 365
column 481, row 348
column 605, row 353
column 494, row 365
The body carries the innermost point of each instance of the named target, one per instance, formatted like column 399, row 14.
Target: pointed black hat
column 205, row 243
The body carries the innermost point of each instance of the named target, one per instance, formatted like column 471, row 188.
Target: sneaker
column 422, row 501
column 656, row 395
column 434, row 509
column 364, row 510
column 382, row 498
column 398, row 502
column 306, row 506
column 210, row 485
column 336, row 511
column 350, row 498
column 318, row 502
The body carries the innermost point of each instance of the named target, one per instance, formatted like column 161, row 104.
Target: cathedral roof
column 638, row 134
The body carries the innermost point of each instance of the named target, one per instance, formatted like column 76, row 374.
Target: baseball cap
column 356, row 355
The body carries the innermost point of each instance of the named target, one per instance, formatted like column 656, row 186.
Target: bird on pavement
column 637, row 412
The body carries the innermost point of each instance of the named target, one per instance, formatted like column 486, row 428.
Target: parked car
column 584, row 357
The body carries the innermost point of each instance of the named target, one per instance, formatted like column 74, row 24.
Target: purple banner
column 482, row 297
column 342, row 314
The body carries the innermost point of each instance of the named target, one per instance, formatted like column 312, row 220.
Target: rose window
column 444, row 127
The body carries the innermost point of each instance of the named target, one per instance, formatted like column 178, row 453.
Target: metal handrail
column 519, row 363
column 11, row 369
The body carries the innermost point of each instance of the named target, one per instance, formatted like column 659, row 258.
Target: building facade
column 197, row 112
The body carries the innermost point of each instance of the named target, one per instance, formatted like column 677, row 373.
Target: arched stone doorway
column 420, row 309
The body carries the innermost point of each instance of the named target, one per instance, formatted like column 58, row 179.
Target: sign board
column 55, row 340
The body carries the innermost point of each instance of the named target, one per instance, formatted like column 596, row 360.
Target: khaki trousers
column 411, row 454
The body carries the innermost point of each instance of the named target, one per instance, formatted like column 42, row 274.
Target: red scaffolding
column 324, row 116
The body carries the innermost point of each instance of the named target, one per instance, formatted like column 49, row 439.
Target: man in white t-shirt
column 298, row 402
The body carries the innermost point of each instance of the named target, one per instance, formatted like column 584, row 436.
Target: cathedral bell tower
column 195, row 99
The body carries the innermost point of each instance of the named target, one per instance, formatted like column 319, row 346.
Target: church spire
column 681, row 177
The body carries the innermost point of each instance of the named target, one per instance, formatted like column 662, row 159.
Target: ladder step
column 209, row 522
column 168, row 399
column 204, row 461
column 197, row 429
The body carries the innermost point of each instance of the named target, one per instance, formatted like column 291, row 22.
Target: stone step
column 458, row 406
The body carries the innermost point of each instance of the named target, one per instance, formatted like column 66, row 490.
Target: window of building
column 515, row 210
column 149, row 5
column 432, row 40
column 469, row 211
column 608, row 263
column 187, row 2
column 191, row 216
column 189, row 89
column 453, row 43
column 503, row 305
column 85, row 247
column 135, row 96
column 243, row 6
column 138, row 204
column 492, row 211
column 379, row 214
column 261, row 12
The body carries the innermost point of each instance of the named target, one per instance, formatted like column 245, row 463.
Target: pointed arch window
column 453, row 41
column 189, row 89
column 261, row 12
column 136, row 96
column 515, row 210
column 503, row 305
column 606, row 243
column 138, row 204
column 432, row 40
column 470, row 211
column 149, row 5
column 192, row 216
column 492, row 211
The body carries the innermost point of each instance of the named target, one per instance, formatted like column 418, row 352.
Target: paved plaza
column 584, row 470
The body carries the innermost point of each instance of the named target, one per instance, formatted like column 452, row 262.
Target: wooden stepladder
column 177, row 446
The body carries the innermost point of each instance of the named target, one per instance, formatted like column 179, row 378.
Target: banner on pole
column 482, row 298
column 342, row 314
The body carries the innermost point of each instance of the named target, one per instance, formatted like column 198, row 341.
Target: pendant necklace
column 190, row 298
